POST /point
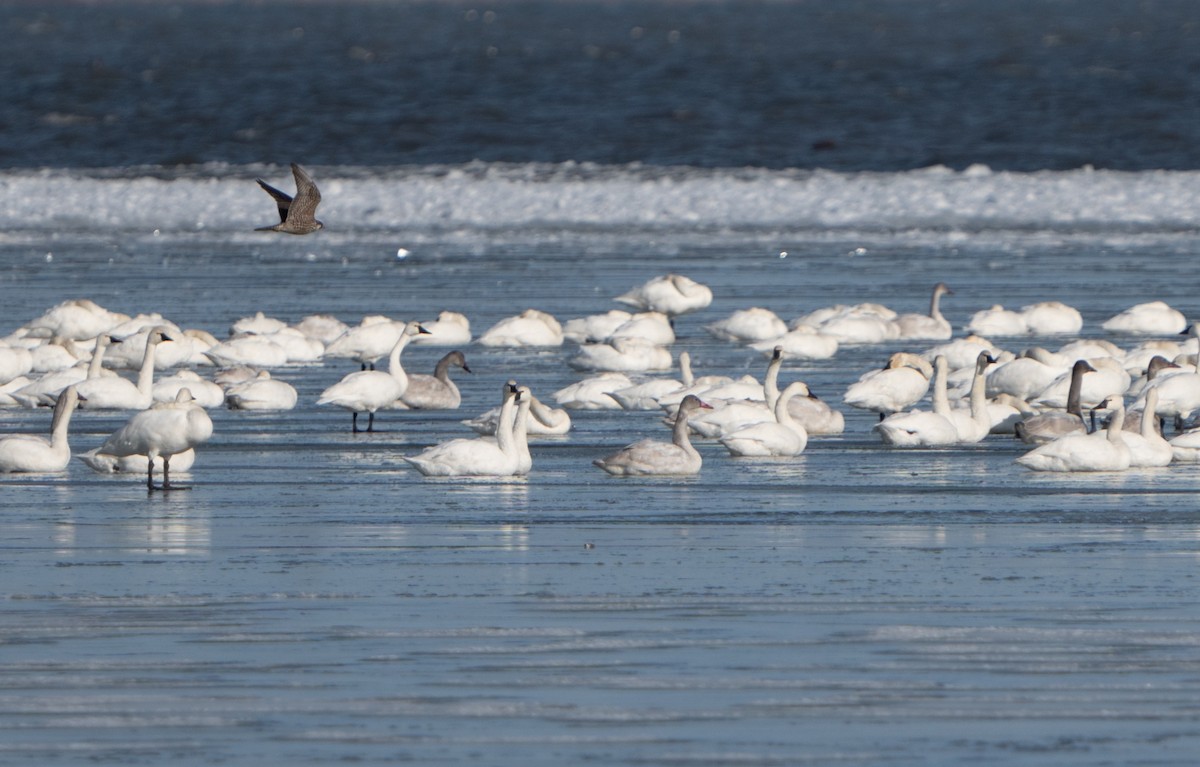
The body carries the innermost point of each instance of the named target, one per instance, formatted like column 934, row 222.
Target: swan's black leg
column 371, row 421
column 149, row 474
column 354, row 422
column 166, row 473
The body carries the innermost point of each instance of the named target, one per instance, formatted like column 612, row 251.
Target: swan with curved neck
column 437, row 391
column 34, row 453
column 370, row 390
column 975, row 423
column 653, row 457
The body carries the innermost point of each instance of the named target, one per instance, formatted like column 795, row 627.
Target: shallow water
column 312, row 599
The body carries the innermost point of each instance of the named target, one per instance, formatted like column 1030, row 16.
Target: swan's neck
column 1074, row 393
column 771, row 381
column 979, row 412
column 62, row 420
column 546, row 415
column 521, row 429
column 1149, row 417
column 97, row 358
column 783, row 413
column 935, row 305
column 394, row 368
column 685, row 369
column 680, row 435
column 145, row 382
column 941, row 401
column 1116, row 424
column 505, row 426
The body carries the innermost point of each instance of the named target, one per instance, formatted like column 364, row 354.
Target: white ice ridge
column 224, row 198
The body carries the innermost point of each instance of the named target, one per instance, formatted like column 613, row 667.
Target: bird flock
column 68, row 358
column 72, row 356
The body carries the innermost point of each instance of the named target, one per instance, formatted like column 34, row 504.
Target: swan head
column 942, row 289
column 1111, row 402
column 984, row 359
column 691, row 403
column 1157, row 363
column 415, row 328
column 455, row 358
column 1082, row 366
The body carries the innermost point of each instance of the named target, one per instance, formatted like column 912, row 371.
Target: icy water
column 312, row 599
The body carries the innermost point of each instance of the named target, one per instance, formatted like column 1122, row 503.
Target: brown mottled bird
column 296, row 214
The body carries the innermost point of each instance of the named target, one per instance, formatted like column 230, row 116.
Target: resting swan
column 437, row 391
column 479, row 457
column 899, row 385
column 116, row 393
column 34, row 453
column 926, row 327
column 166, row 429
column 1100, row 451
column 653, row 457
column 542, row 420
column 1148, row 448
column 1043, row 427
column 781, row 437
column 671, row 294
column 261, row 393
column 748, row 326
column 923, row 428
column 370, row 390
column 1155, row 318
column 974, row 423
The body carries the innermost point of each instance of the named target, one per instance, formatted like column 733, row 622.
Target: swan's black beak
column 465, row 368
column 421, row 329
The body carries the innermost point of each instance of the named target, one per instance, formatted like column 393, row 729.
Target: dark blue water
column 862, row 85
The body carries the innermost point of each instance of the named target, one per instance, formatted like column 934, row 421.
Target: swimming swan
column 166, row 429
column 781, row 437
column 926, row 327
column 1100, row 451
column 479, row 457
column 370, row 390
column 437, row 391
column 653, row 457
column 34, row 453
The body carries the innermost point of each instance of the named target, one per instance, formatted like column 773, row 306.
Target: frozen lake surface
column 313, row 599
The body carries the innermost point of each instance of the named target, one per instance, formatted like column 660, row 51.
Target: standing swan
column 1099, row 451
column 370, row 390
column 30, row 452
column 652, row 457
column 479, row 457
column 164, row 430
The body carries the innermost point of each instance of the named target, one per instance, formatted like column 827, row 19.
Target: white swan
column 622, row 354
column 926, row 327
column 652, row 327
column 34, row 453
column 1028, row 375
column 593, row 393
column 974, row 423
column 15, row 362
column 671, row 294
column 206, row 393
column 595, row 327
column 373, row 338
column 259, row 351
column 449, row 329
column 998, row 321
column 479, row 457
column 1155, row 318
column 647, row 395
column 118, row 393
column 322, row 327
column 297, row 347
column 530, row 328
column 1050, row 318
column 261, row 393
column 1100, row 451
column 802, row 342
column 370, row 390
column 1148, row 448
column 437, row 391
column 78, row 319
column 166, row 429
column 258, row 325
column 1107, row 377
column 1044, row 427
column 858, row 324
column 652, row 457
column 748, row 326
column 781, row 437
column 731, row 409
column 923, row 428
column 896, row 387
